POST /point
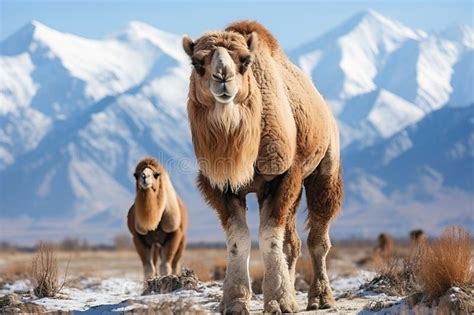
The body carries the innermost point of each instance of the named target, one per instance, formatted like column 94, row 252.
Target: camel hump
column 247, row 27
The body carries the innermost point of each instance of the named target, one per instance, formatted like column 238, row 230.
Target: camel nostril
column 218, row 77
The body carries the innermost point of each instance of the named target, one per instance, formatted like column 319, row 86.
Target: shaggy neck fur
column 226, row 139
column 149, row 205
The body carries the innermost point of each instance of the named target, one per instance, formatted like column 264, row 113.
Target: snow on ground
column 121, row 294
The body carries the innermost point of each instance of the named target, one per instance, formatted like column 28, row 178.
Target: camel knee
column 319, row 243
column 270, row 239
column 238, row 239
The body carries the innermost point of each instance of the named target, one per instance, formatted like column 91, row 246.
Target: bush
column 446, row 262
column 395, row 276
column 44, row 273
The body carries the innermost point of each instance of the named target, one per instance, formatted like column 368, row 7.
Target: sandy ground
column 106, row 282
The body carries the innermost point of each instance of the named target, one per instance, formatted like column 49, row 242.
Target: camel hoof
column 236, row 307
column 323, row 302
column 286, row 305
column 326, row 302
column 272, row 307
column 312, row 306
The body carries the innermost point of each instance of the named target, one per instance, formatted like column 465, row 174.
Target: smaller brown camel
column 157, row 220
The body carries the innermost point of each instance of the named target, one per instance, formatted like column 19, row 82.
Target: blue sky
column 294, row 22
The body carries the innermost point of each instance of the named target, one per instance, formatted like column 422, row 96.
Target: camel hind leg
column 292, row 241
column 168, row 252
column 324, row 195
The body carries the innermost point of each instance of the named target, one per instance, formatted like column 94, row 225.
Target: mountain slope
column 39, row 60
column 371, row 53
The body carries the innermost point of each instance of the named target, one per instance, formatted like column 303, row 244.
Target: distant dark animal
column 385, row 245
column 417, row 238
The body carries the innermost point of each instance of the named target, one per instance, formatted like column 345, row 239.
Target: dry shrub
column 187, row 280
column 395, row 276
column 446, row 262
column 44, row 273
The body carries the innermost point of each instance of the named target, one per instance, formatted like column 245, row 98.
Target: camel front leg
column 275, row 203
column 231, row 209
column 145, row 253
column 237, row 292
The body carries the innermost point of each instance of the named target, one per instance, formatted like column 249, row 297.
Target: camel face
column 223, row 85
column 221, row 61
column 147, row 178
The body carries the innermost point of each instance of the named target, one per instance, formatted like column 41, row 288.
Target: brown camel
column 157, row 220
column 259, row 126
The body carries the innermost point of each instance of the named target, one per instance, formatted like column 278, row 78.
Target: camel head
column 147, row 175
column 221, row 62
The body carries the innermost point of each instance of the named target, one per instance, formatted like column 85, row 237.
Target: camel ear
column 252, row 42
column 188, row 45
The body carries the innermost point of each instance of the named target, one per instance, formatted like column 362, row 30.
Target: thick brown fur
column 280, row 136
column 164, row 238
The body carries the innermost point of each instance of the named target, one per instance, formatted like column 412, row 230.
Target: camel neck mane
column 149, row 207
column 227, row 155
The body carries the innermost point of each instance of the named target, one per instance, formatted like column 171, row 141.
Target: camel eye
column 156, row 174
column 135, row 175
column 198, row 66
column 245, row 62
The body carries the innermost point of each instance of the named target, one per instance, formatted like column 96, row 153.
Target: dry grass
column 15, row 271
column 395, row 276
column 44, row 273
column 446, row 262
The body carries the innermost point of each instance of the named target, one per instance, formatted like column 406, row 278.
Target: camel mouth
column 145, row 186
column 224, row 98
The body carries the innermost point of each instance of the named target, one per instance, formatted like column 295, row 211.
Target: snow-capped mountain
column 372, row 60
column 77, row 114
column 50, row 76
